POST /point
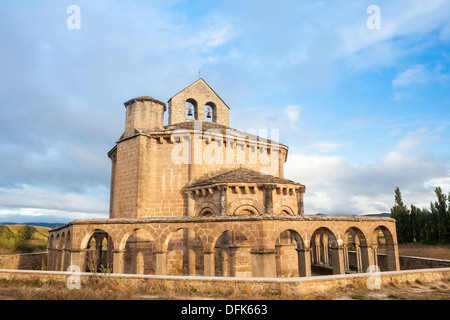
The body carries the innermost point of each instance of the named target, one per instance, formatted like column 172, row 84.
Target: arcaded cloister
column 197, row 198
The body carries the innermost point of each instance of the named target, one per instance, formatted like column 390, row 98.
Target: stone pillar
column 393, row 262
column 300, row 193
column 338, row 260
column 232, row 249
column 225, row 265
column 55, row 259
column 346, row 262
column 208, row 261
column 161, row 262
column 66, row 259
column 78, row 258
column 375, row 255
column 326, row 261
column 316, row 252
column 109, row 253
column 98, row 248
column 113, row 158
column 268, row 199
column 190, row 235
column 118, row 261
column 190, row 203
column 263, row 263
column 50, row 259
column 359, row 265
column 366, row 257
column 304, row 262
column 191, row 252
column 223, row 200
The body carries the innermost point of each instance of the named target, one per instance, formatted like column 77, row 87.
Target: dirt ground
column 407, row 291
column 32, row 290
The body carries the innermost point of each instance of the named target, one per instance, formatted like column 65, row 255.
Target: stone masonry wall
column 148, row 182
column 29, row 261
column 294, row 288
column 406, row 262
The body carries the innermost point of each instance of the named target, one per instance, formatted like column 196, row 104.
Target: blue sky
column 362, row 110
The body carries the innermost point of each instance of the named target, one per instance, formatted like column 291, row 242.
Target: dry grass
column 425, row 251
column 105, row 288
column 95, row 288
column 401, row 291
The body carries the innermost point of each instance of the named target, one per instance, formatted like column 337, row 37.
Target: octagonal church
column 196, row 197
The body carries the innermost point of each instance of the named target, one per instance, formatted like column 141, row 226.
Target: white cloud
column 40, row 200
column 292, row 113
column 363, row 48
column 335, row 186
column 408, row 82
column 419, row 75
column 414, row 75
column 323, row 147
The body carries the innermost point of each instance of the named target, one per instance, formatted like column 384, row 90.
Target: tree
column 415, row 224
column 440, row 216
column 400, row 213
column 23, row 238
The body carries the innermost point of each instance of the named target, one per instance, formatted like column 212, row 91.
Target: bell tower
column 198, row 102
column 143, row 113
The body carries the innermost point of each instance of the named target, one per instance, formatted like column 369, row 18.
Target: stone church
column 196, row 197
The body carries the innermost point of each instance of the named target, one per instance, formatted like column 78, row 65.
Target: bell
column 208, row 115
column 190, row 114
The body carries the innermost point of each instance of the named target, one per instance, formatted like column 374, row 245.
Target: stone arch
column 206, row 206
column 284, row 205
column 97, row 245
column 124, row 233
column 184, row 250
column 211, row 109
column 138, row 252
column 285, row 210
column 232, row 255
column 327, row 251
column 292, row 258
column 250, row 204
column 191, row 109
column 220, row 229
column 246, row 209
column 389, row 239
column 383, row 241
column 83, row 240
column 356, row 251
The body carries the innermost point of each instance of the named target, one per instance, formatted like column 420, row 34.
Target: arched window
column 245, row 210
column 207, row 213
column 210, row 112
column 191, row 109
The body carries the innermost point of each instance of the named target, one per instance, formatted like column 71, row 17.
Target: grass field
column 425, row 251
column 8, row 234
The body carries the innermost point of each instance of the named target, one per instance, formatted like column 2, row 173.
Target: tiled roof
column 242, row 175
column 206, row 125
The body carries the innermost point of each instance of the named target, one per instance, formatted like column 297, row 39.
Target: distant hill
column 50, row 225
column 384, row 214
column 8, row 234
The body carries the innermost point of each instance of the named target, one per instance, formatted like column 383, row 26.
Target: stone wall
column 289, row 288
column 406, row 262
column 28, row 261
